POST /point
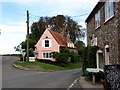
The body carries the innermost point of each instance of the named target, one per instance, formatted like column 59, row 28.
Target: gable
column 56, row 37
column 46, row 35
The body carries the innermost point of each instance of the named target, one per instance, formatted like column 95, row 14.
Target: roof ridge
column 57, row 32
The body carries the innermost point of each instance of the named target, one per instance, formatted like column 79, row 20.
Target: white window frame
column 47, row 43
column 46, row 55
column 97, row 57
column 97, row 19
column 43, row 43
column 109, row 10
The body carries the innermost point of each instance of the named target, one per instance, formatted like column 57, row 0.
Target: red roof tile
column 60, row 38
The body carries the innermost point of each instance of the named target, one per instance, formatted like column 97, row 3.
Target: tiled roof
column 60, row 38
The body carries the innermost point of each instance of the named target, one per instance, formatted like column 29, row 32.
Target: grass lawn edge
column 49, row 67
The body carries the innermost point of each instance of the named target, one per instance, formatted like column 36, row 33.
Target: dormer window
column 68, row 44
column 97, row 19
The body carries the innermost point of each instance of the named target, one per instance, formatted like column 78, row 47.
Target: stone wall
column 107, row 33
column 119, row 30
column 90, row 31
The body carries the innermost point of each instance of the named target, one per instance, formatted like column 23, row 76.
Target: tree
column 80, row 47
column 55, row 23
column 73, row 29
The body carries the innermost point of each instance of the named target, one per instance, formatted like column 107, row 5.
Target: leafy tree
column 79, row 45
column 73, row 29
column 74, row 57
column 56, row 23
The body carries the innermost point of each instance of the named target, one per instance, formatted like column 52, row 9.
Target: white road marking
column 72, row 84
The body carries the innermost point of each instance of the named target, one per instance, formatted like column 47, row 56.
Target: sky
column 13, row 17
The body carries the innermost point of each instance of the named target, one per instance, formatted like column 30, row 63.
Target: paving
column 69, row 79
column 88, row 84
column 15, row 78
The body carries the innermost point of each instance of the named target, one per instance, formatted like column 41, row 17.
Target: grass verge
column 50, row 66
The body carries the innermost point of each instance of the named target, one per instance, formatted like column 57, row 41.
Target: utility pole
column 27, row 36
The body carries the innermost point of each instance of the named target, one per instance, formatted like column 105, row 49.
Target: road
column 15, row 78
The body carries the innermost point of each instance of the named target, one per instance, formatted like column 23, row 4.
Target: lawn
column 50, row 66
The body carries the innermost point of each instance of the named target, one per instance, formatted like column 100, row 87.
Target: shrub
column 64, row 56
column 61, row 58
column 74, row 57
column 89, row 57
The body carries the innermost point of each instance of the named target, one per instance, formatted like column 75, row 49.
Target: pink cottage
column 51, row 41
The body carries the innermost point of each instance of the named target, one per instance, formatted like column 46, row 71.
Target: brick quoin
column 106, row 43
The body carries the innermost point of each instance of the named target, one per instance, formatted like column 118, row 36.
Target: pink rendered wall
column 55, row 45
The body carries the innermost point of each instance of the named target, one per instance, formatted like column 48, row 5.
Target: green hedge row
column 89, row 57
column 65, row 57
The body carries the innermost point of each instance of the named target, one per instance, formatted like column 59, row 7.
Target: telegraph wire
column 34, row 18
column 51, row 16
column 81, row 15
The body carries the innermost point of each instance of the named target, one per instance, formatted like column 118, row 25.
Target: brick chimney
column 64, row 37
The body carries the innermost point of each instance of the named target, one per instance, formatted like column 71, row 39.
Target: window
column 68, row 44
column 109, row 10
column 97, row 19
column 46, row 36
column 46, row 43
column 47, row 55
column 100, row 57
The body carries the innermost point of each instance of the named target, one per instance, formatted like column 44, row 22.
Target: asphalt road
column 15, row 78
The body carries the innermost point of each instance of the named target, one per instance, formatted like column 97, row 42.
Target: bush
column 74, row 57
column 61, row 58
column 64, row 56
column 89, row 57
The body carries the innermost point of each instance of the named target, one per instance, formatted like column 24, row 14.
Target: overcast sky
column 13, row 17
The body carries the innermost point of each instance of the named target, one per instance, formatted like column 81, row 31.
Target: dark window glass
column 46, row 55
column 49, row 55
column 43, row 55
column 46, row 43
